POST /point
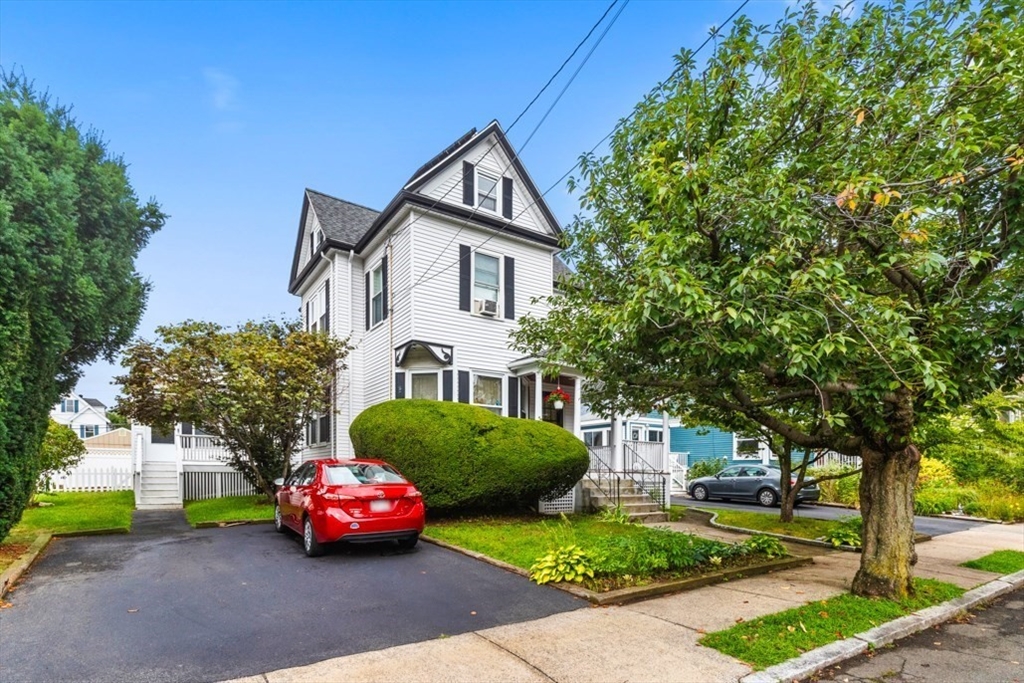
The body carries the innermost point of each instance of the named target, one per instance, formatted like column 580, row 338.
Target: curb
column 227, row 523
column 811, row 662
column 966, row 518
column 11, row 575
column 918, row 538
column 626, row 595
column 93, row 532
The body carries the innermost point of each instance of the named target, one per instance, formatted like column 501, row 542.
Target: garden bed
column 606, row 557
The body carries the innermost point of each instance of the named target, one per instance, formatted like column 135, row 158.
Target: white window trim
column 497, row 191
column 409, row 374
column 501, row 282
column 501, row 392
column 380, row 267
column 736, row 455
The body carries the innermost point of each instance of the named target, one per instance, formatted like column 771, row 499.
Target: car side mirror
column 718, row 476
column 279, row 482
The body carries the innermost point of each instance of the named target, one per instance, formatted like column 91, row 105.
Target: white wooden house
column 87, row 417
column 428, row 289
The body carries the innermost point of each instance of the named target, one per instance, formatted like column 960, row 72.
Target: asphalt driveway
column 169, row 603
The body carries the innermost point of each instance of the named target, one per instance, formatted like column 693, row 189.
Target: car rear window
column 357, row 474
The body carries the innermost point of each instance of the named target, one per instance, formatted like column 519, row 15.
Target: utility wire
column 565, row 175
column 515, row 154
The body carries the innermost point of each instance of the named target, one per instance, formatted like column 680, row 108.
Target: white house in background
column 86, row 416
column 429, row 289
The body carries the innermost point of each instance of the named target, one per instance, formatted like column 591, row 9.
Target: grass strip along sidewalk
column 230, row 509
column 776, row 638
column 801, row 527
column 1001, row 562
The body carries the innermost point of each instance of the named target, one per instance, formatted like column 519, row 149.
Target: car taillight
column 414, row 494
column 792, row 482
column 337, row 496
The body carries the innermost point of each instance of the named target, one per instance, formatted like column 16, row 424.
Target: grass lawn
column 230, row 509
column 521, row 540
column 73, row 512
column 802, row 527
column 777, row 637
column 1000, row 562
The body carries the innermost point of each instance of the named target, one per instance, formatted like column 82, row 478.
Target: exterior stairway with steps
column 640, row 506
column 159, row 487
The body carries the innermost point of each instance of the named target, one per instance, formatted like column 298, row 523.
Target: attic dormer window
column 486, row 191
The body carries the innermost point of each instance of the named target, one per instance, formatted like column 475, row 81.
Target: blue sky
column 226, row 111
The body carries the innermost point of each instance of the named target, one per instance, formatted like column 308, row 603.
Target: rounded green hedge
column 465, row 458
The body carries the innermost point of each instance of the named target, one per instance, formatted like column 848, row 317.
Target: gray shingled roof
column 94, row 402
column 341, row 221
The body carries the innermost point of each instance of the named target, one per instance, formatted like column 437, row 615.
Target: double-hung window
column 486, row 191
column 377, row 295
column 747, row 448
column 487, row 392
column 486, row 276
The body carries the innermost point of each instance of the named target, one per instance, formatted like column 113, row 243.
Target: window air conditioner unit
column 487, row 307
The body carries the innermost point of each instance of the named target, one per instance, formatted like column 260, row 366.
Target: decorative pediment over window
column 442, row 353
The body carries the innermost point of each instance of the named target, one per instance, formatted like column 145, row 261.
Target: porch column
column 667, row 455
column 617, row 459
column 538, row 398
column 577, row 411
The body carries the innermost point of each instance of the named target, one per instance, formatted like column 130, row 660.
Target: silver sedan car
column 758, row 483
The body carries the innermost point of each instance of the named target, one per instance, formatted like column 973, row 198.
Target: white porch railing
column 829, row 458
column 201, row 448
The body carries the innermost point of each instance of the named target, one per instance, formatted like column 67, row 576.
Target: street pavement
column 933, row 526
column 170, row 603
column 985, row 647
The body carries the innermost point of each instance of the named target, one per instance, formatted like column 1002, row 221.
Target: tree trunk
column 788, row 501
column 887, row 507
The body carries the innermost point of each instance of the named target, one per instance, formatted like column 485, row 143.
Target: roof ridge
column 339, row 199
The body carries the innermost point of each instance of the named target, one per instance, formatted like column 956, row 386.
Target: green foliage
column 656, row 551
column 934, row 473
column 61, row 451
column 846, row 531
column 769, row 640
column 996, row 501
column 615, row 515
column 817, row 233
column 1001, row 562
column 253, row 388
column 938, row 500
column 567, row 563
column 66, row 513
column 844, row 491
column 466, row 458
column 71, row 227
column 769, row 546
column 706, row 468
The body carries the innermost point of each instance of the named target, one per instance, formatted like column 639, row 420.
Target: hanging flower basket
column 558, row 398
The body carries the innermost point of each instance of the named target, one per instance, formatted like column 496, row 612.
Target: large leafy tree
column 253, row 388
column 820, row 232
column 70, row 229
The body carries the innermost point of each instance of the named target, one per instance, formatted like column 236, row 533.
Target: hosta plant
column 567, row 563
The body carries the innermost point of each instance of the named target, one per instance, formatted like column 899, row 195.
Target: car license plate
column 380, row 506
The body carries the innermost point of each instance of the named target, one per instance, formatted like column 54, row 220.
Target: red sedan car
column 327, row 501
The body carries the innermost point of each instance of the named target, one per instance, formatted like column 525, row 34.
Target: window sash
column 487, row 391
column 486, row 277
column 424, row 385
column 487, row 191
column 377, row 298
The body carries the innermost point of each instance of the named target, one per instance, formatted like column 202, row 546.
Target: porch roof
column 531, row 364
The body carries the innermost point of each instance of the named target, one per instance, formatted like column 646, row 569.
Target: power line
column 565, row 175
column 515, row 154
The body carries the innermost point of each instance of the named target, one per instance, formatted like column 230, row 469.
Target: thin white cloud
column 223, row 88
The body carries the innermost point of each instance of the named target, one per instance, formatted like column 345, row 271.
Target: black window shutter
column 399, row 385
column 468, row 184
column 510, row 288
column 384, row 285
column 513, row 397
column 506, row 197
column 310, row 245
column 463, row 386
column 307, row 316
column 446, row 386
column 325, row 323
column 325, row 428
column 465, row 277
column 368, row 295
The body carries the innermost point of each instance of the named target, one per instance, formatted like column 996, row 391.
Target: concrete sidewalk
column 655, row 640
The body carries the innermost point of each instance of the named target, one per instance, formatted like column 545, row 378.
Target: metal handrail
column 650, row 479
column 604, row 477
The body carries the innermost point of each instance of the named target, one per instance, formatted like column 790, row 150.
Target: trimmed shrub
column 467, row 459
column 845, row 491
column 934, row 473
column 938, row 500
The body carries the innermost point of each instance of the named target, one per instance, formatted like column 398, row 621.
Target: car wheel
column 278, row 522
column 767, row 498
column 309, row 542
column 408, row 543
column 700, row 492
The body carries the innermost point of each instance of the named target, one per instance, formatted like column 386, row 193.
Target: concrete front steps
column 159, row 488
column 641, row 508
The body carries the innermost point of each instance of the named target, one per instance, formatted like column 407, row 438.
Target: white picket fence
column 94, row 479
column 202, row 485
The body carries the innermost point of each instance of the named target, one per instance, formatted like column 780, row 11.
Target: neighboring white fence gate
column 94, row 479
